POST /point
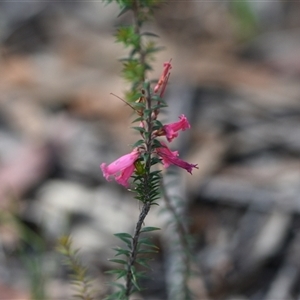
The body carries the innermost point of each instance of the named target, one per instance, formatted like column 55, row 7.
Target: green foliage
column 133, row 71
column 141, row 47
column 120, row 294
column 128, row 270
column 128, row 37
column 138, row 253
column 125, row 237
column 79, row 276
column 147, row 229
column 140, row 168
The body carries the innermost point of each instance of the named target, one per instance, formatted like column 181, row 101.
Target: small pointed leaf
column 149, row 228
column 118, row 261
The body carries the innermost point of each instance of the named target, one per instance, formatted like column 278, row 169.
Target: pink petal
column 122, row 168
column 125, row 175
column 170, row 157
column 172, row 128
column 162, row 82
column 121, row 163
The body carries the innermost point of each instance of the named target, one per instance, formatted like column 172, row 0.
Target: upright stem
column 145, row 181
column 137, row 31
column 146, row 196
column 134, row 250
column 146, row 192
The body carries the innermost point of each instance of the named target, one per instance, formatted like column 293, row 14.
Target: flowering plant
column 141, row 165
column 140, row 168
column 150, row 128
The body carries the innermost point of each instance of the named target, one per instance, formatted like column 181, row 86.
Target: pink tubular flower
column 125, row 175
column 162, row 82
column 121, row 168
column 171, row 129
column 171, row 157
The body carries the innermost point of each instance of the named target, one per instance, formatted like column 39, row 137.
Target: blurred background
column 236, row 73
